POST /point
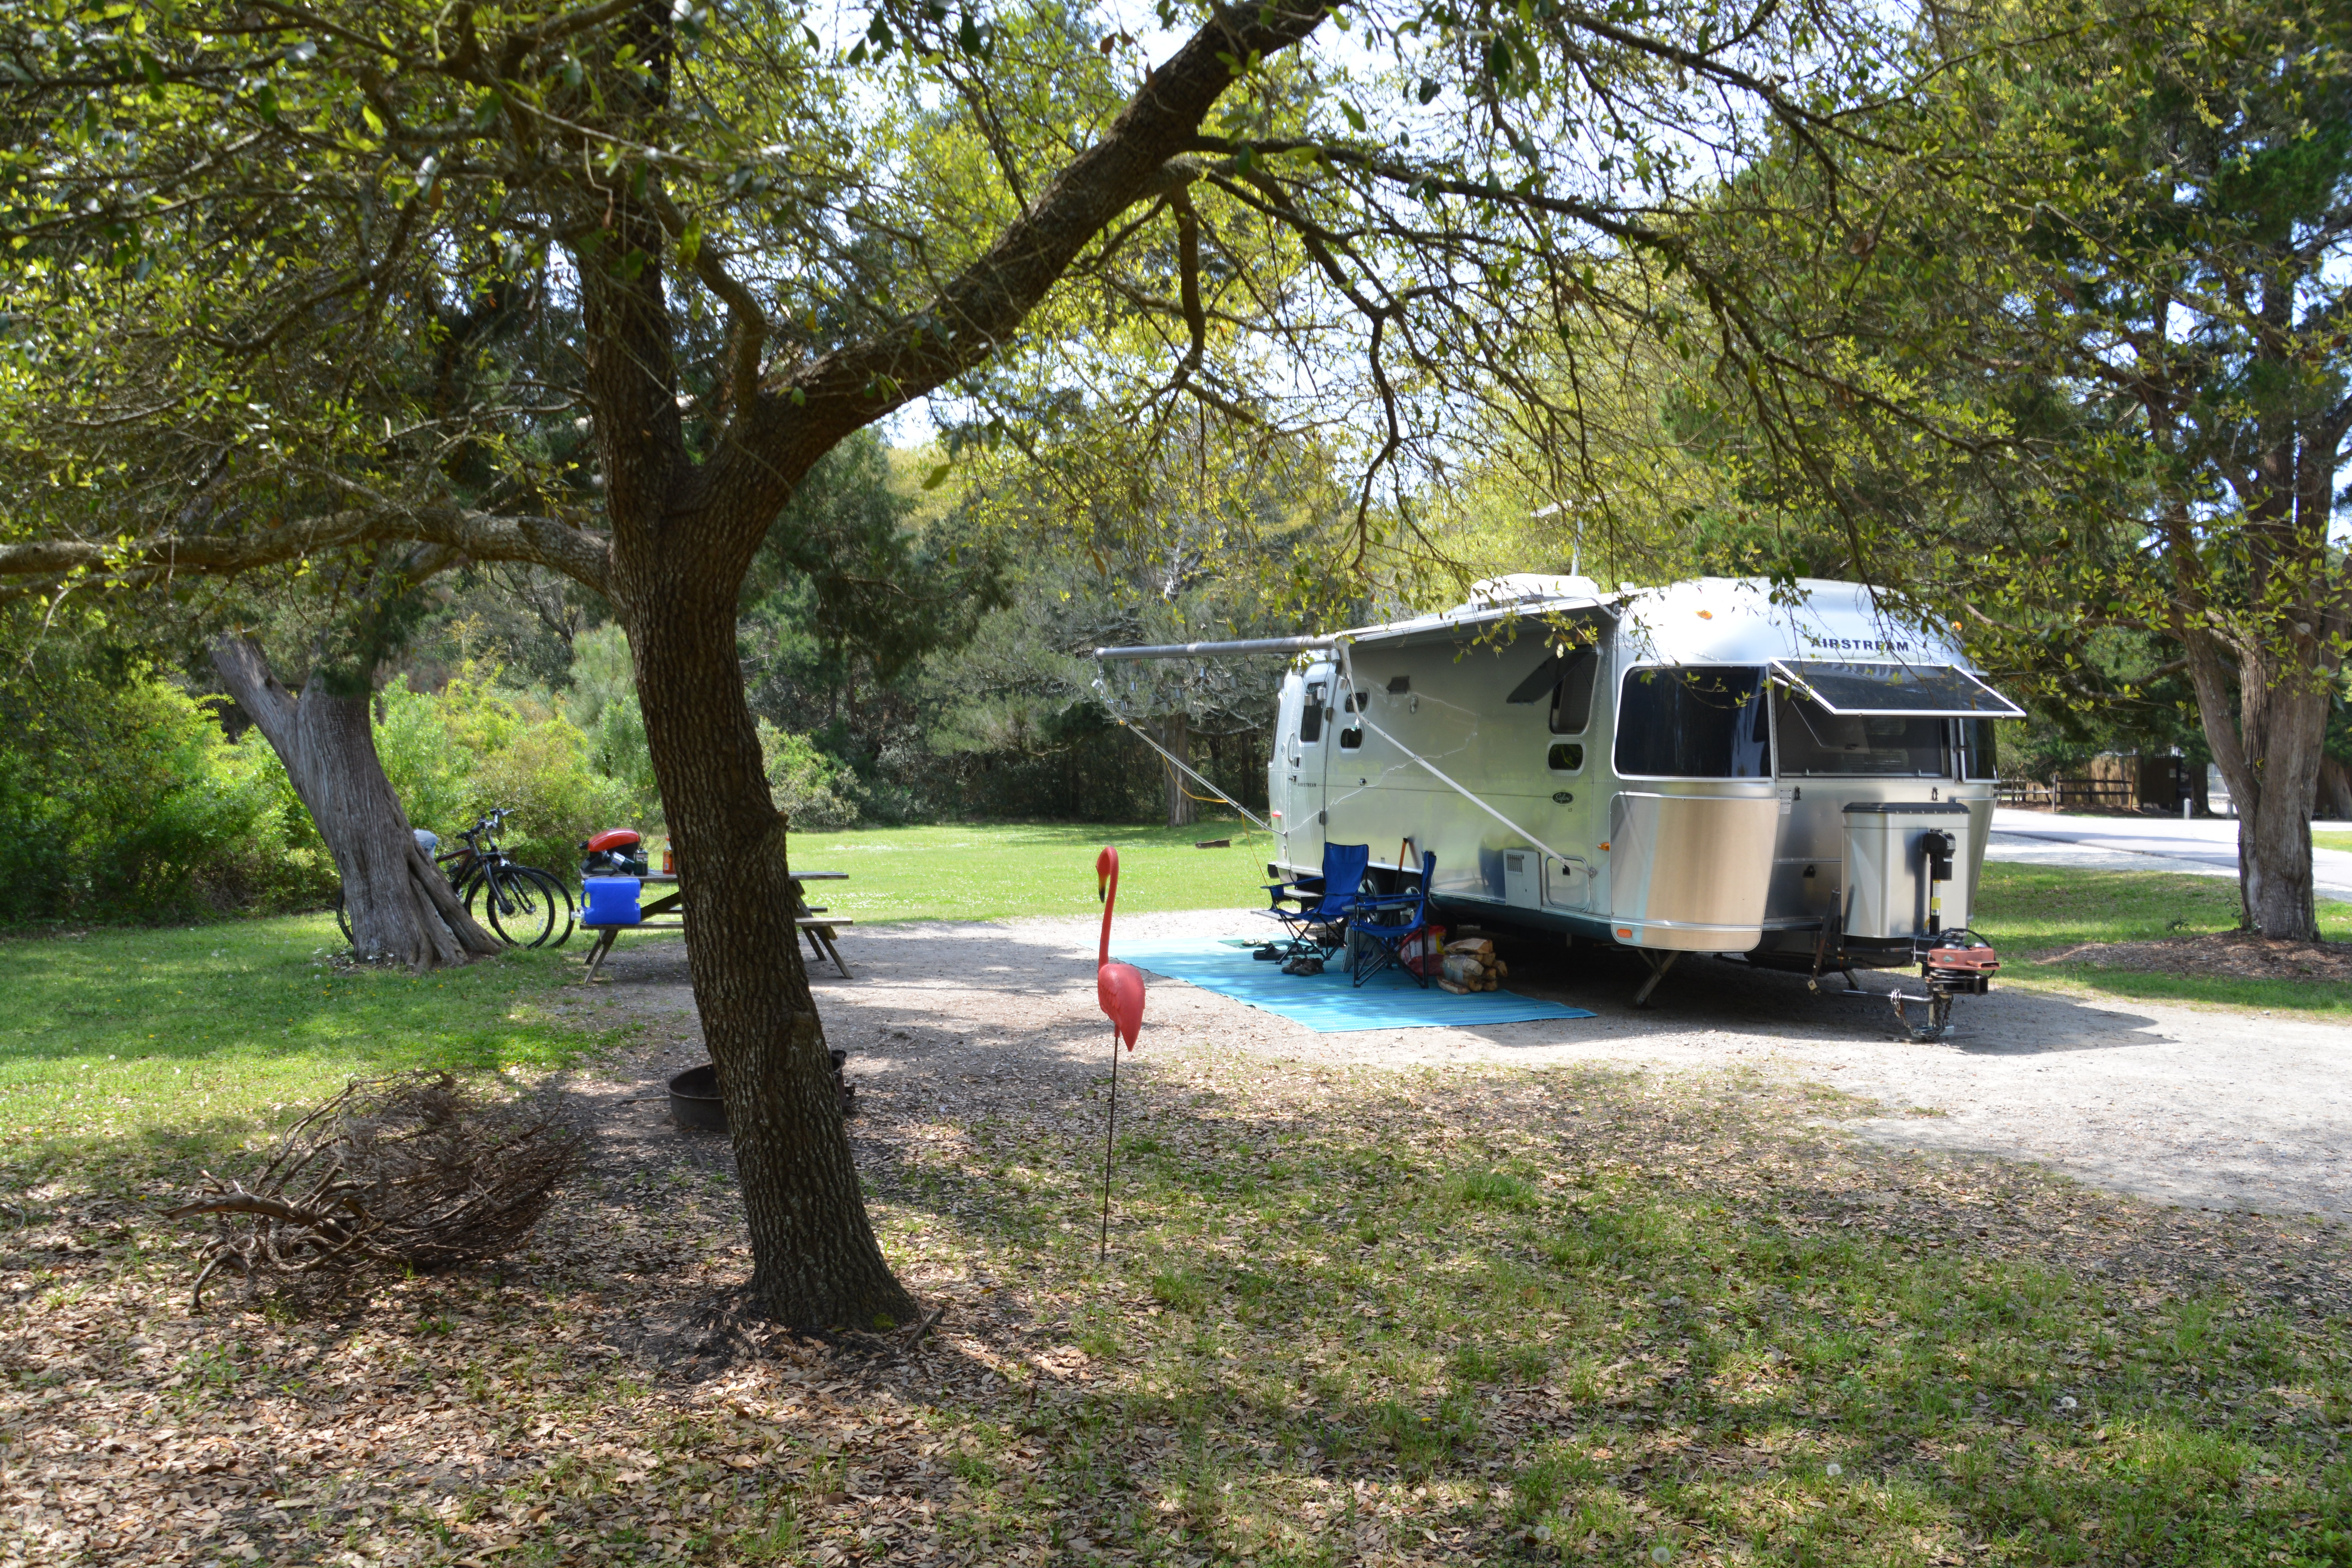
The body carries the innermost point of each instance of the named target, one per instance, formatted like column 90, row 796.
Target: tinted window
column 1702, row 723
column 1816, row 744
column 1310, row 715
column 1572, row 699
column 1979, row 758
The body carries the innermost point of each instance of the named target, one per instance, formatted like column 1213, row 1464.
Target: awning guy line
column 1111, row 709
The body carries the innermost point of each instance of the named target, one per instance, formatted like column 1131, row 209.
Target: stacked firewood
column 1471, row 965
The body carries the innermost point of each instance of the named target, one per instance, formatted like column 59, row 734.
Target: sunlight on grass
column 1003, row 870
column 165, row 1041
column 1585, row 1316
column 2030, row 910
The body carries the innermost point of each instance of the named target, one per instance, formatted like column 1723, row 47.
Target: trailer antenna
column 1575, row 538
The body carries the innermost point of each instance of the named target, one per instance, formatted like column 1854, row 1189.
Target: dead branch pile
column 406, row 1170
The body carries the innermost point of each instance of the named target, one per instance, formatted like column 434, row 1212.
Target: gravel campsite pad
column 1386, row 1301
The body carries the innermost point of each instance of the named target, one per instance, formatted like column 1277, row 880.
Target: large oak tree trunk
column 683, row 534
column 400, row 905
column 2269, row 752
column 816, row 1263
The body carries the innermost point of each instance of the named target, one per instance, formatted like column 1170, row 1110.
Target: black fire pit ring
column 694, row 1099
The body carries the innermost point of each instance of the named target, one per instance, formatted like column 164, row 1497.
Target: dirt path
column 2202, row 1109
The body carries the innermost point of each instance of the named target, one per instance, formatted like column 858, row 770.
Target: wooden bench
column 818, row 924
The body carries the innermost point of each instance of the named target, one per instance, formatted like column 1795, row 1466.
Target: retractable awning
column 1218, row 649
column 1896, row 690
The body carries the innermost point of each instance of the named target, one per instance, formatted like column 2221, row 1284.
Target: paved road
column 2206, row 847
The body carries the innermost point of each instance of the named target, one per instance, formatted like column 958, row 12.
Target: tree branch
column 482, row 536
column 984, row 304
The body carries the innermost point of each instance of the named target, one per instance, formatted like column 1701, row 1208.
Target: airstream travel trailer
column 1703, row 767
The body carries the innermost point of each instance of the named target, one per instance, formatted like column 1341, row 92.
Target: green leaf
column 1355, row 116
column 938, row 475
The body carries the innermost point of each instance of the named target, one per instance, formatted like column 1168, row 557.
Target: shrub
column 604, row 704
column 120, row 798
column 454, row 755
column 807, row 785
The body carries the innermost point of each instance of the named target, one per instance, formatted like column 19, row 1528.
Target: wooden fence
column 2112, row 782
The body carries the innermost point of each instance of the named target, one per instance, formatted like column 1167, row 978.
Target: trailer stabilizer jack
column 1658, row 968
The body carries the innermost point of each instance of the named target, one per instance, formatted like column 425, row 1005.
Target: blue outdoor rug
column 1325, row 1002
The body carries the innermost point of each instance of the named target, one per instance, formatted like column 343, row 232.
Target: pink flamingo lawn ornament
column 1119, row 988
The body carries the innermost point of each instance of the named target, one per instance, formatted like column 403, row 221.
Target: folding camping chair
column 1319, row 921
column 1386, row 924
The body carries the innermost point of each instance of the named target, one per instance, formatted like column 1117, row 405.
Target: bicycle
column 523, row 901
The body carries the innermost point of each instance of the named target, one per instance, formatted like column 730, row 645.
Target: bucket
column 609, row 901
column 694, row 1101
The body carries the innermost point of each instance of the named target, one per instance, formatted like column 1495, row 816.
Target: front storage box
column 1887, row 868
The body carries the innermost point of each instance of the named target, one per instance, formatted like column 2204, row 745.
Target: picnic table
column 814, row 923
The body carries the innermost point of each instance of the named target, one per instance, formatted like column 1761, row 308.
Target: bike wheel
column 557, row 894
column 470, row 893
column 523, row 910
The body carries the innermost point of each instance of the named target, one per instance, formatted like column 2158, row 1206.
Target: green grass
column 999, row 871
column 162, row 1044
column 1574, row 1316
column 2028, row 911
column 2331, row 841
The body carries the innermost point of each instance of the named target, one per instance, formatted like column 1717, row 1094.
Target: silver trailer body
column 1693, row 768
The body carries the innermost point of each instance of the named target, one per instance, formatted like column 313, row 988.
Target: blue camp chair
column 1384, row 924
column 1313, row 910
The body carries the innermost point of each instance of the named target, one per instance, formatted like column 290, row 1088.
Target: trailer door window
column 1978, row 759
column 1818, row 743
column 1310, row 715
column 1702, row 722
column 1572, row 699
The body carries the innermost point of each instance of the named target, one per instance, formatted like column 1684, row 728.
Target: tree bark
column 400, row 905
column 2270, row 758
column 2335, row 788
column 1176, row 734
column 816, row 1265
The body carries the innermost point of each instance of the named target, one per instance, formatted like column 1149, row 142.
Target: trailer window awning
column 1896, row 690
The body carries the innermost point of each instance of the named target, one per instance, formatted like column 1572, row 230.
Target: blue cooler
column 611, row 900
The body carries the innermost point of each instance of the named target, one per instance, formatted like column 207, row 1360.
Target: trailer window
column 1817, row 743
column 1978, row 759
column 1706, row 722
column 1572, row 699
column 1310, row 714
